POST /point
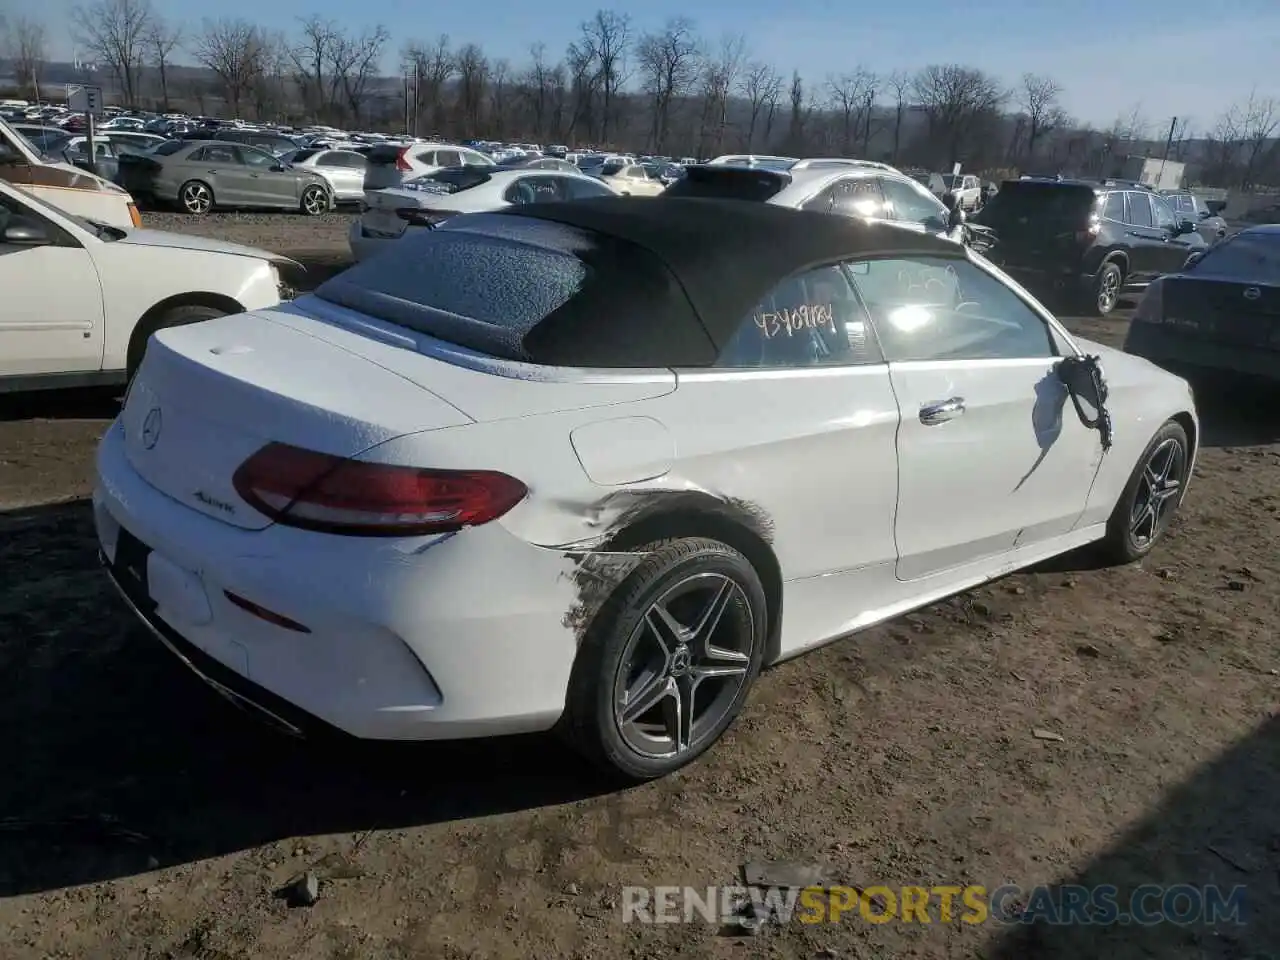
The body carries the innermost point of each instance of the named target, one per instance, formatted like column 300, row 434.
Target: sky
column 1182, row 58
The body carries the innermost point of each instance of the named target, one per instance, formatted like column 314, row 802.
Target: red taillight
column 417, row 217
column 1151, row 306
column 316, row 491
column 402, row 162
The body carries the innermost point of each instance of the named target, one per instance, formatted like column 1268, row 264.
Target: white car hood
column 180, row 241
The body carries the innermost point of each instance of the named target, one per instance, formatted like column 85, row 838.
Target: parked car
column 536, row 162
column 426, row 202
column 630, row 179
column 852, row 188
column 1220, row 313
column 47, row 141
column 392, row 164
column 343, row 170
column 566, row 463
column 1188, row 206
column 201, row 175
column 60, row 183
column 268, row 140
column 966, row 187
column 82, row 298
column 1088, row 241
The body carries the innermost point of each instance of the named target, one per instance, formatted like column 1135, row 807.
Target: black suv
column 1090, row 240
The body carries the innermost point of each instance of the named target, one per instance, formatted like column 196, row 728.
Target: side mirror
column 1184, row 227
column 1205, row 214
column 278, row 168
column 20, row 231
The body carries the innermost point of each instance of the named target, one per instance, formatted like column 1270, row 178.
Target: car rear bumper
column 1175, row 349
column 455, row 636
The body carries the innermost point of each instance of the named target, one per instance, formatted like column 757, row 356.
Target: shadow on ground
column 316, row 269
column 1235, row 414
column 94, row 403
column 114, row 754
column 1220, row 828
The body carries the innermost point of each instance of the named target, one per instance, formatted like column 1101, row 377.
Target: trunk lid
column 1224, row 310
column 209, row 395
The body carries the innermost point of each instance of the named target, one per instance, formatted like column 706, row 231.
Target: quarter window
column 1113, row 209
column 935, row 308
column 1140, row 210
column 810, row 320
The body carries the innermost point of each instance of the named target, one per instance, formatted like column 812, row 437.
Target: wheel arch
column 736, row 523
column 1188, row 423
column 146, row 324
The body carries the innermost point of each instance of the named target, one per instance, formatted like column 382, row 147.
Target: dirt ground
column 141, row 817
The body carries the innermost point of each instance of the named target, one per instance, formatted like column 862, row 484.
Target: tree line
column 667, row 91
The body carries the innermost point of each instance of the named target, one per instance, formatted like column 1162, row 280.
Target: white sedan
column 592, row 465
column 392, row 213
column 82, row 297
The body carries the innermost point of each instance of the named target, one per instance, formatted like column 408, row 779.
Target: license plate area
column 130, row 567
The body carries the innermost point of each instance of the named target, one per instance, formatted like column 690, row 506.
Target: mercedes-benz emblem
column 151, row 428
column 681, row 661
column 1253, row 293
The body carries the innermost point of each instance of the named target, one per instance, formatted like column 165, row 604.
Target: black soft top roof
column 668, row 282
column 727, row 255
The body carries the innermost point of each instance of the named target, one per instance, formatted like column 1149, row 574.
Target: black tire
column 196, row 198
column 173, row 317
column 314, row 201
column 591, row 722
column 1105, row 292
column 1122, row 544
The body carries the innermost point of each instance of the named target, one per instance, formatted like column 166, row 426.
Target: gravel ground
column 141, row 817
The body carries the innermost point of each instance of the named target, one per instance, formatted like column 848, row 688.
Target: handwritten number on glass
column 808, row 316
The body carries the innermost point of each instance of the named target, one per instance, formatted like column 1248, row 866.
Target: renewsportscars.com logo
column 1068, row 904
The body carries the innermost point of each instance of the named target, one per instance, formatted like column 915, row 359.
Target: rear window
column 728, row 183
column 449, row 180
column 1253, row 257
column 1042, row 201
column 482, row 290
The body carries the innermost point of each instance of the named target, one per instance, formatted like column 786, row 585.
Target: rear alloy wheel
column 1106, row 289
column 1151, row 497
column 314, row 201
column 668, row 661
column 196, row 198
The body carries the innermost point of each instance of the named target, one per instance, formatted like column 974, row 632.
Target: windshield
column 1250, row 257
column 612, row 167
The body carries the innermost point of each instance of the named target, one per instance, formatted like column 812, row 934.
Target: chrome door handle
column 942, row 411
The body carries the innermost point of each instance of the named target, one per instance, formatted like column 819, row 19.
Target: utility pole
column 1168, row 142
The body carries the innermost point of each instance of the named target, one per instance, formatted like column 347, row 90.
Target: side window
column 913, row 206
column 1113, row 209
column 352, row 160
column 860, row 197
column 330, row 160
column 198, row 156
column 822, row 202
column 934, row 308
column 810, row 320
column 257, row 158
column 427, row 158
column 579, row 188
column 1139, row 210
column 448, row 158
column 221, row 154
column 1165, row 220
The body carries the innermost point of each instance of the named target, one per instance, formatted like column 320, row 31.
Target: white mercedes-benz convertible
column 592, row 465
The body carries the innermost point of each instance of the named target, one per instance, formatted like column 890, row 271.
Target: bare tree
column 796, row 132
column 899, row 82
column 849, row 99
column 433, row 67
column 162, row 39
column 116, row 33
column 24, row 46
column 354, row 61
column 233, row 51
column 310, row 57
column 668, row 61
column 761, row 85
column 473, row 74
column 1259, row 118
column 607, row 36
column 1132, row 126
column 499, row 87
column 1039, row 98
column 959, row 103
column 719, row 75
